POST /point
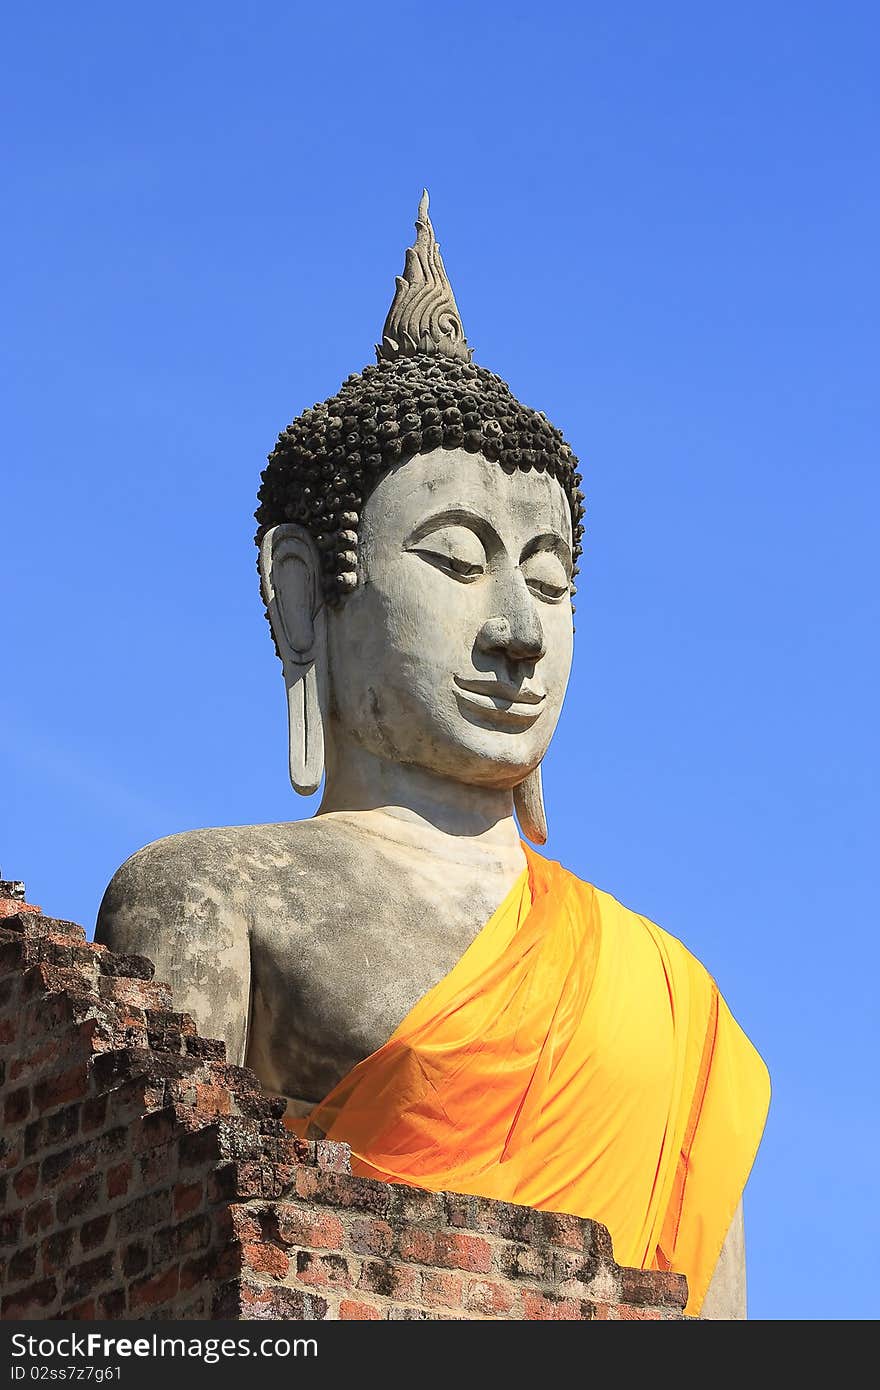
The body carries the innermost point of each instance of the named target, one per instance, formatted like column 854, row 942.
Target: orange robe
column 577, row 1059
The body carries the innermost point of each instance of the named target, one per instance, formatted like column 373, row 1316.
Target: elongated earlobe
column 528, row 801
column 305, row 732
column 290, row 572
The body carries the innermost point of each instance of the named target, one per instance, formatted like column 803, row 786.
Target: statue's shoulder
column 195, row 877
column 182, row 864
column 626, row 920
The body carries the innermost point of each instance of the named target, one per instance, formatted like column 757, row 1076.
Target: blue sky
column 661, row 225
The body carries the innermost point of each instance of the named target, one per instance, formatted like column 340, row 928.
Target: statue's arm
column 169, row 902
column 726, row 1296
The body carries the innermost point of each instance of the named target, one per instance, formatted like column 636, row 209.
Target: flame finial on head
column 424, row 316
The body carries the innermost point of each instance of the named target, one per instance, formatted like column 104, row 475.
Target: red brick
column 17, row 1105
column 416, row 1244
column 212, row 1049
column 208, row 1266
column 486, row 1296
column 23, row 1265
column 524, row 1262
column 263, row 1302
column 340, row 1190
column 135, row 967
column 537, row 1308
column 118, row 1179
column 229, row 1180
column 263, row 1258
column 144, row 1213
column 94, row 1232
column 10, row 1154
column 206, row 1146
column 31, row 1302
column 149, row 1293
column 351, row 1311
column 82, row 1158
column 153, row 1130
column 212, row 1101
column 660, row 1288
column 441, row 1288
column 61, row 1125
column 565, row 1266
column 141, row 994
column 72, row 1084
column 239, row 1223
column 574, row 1233
column 164, row 1019
column 371, row 1237
column 302, row 1226
column 333, row 1156
column 181, row 1238
column 10, row 1226
column 79, row 1198
column 38, row 1217
column 94, row 1113
column 135, row 1258
column 455, row 1250
column 322, row 1270
column 112, row 1305
column 88, row 1277
column 12, row 908
column 390, row 1280
column 130, row 1098
column 74, row 1162
column 48, row 1020
column 626, row 1313
column 420, row 1208
column 56, row 1250
column 496, row 1218
column 25, row 1180
column 188, row 1197
column 35, row 1060
column 158, row 1166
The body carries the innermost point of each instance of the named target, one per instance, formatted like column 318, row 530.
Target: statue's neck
column 418, row 807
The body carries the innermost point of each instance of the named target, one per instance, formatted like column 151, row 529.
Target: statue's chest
column 332, row 980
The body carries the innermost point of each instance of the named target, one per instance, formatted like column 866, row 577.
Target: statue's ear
column 290, row 571
column 528, row 801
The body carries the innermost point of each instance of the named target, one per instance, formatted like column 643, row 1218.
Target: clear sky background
column 661, row 225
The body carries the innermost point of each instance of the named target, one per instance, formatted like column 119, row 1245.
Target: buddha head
column 419, row 535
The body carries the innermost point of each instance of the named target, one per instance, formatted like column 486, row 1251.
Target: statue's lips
column 509, row 704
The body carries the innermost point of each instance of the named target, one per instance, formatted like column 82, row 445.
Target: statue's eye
column 546, row 575
column 455, row 549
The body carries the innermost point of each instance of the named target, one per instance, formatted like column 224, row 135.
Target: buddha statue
column 404, row 966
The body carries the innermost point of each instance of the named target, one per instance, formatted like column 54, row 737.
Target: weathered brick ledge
column 144, row 1177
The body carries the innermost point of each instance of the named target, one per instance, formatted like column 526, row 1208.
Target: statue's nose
column 517, row 633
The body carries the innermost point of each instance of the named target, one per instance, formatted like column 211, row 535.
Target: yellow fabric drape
column 577, row 1059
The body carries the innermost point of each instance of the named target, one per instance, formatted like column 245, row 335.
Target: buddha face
column 453, row 652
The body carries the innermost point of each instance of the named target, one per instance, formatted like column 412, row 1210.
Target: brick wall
column 142, row 1176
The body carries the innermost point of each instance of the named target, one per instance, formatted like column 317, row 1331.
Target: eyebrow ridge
column 483, row 529
column 450, row 516
column 548, row 540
